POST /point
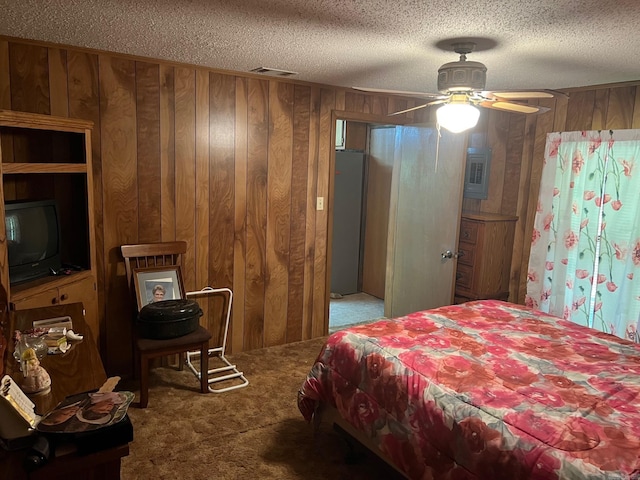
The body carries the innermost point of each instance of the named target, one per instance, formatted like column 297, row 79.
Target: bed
column 485, row 390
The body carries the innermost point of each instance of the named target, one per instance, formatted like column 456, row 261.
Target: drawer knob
column 63, row 297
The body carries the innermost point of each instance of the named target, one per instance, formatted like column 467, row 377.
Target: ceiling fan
column 461, row 85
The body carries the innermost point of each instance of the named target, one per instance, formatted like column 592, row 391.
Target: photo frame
column 158, row 283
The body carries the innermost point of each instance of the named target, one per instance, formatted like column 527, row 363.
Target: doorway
column 361, row 200
column 423, row 170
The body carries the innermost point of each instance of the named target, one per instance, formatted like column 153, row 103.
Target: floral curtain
column 584, row 264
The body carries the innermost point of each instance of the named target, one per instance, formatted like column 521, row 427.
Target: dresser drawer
column 464, row 276
column 468, row 231
column 466, row 253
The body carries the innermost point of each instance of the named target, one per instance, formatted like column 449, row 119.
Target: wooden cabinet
column 485, row 248
column 49, row 158
column 74, row 288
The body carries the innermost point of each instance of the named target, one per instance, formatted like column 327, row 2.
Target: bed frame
column 330, row 415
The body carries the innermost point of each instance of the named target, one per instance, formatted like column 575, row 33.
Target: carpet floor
column 256, row 432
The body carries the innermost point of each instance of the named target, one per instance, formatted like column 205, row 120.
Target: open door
column 424, row 217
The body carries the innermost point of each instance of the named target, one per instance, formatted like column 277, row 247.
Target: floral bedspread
column 487, row 390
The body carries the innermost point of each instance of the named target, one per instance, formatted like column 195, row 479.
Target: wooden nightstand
column 484, row 263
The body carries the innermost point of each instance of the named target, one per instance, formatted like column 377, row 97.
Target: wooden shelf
column 9, row 118
column 17, row 168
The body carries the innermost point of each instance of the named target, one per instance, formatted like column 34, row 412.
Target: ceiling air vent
column 274, row 72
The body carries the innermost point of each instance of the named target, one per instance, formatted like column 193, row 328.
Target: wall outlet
column 320, row 203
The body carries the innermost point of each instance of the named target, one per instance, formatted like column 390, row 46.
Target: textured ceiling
column 374, row 43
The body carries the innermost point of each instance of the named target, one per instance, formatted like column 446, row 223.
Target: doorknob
column 450, row 254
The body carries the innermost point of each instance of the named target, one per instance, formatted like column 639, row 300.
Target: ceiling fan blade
column 514, row 107
column 517, row 95
column 399, row 92
column 438, row 102
column 409, row 110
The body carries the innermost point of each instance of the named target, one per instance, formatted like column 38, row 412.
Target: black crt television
column 33, row 239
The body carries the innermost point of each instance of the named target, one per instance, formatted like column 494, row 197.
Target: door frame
column 336, row 115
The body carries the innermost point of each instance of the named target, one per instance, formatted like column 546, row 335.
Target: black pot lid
column 170, row 310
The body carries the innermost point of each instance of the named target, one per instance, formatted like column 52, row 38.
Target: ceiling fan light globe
column 457, row 117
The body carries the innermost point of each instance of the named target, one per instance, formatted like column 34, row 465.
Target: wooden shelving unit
column 47, row 157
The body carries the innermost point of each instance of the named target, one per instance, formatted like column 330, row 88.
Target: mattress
column 485, row 389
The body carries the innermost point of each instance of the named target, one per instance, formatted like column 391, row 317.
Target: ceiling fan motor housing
column 461, row 76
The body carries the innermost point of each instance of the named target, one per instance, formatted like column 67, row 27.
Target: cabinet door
column 46, row 298
column 83, row 291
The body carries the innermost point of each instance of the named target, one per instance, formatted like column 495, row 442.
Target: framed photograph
column 158, row 283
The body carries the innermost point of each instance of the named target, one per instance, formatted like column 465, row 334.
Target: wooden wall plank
column 599, row 119
column 29, row 67
column 396, row 104
column 354, row 102
column 297, row 252
column 513, row 163
column 521, row 235
column 223, row 97
column 148, row 152
column 58, row 90
column 478, row 135
column 120, row 196
column 257, row 141
column 167, row 152
column 5, row 76
column 278, row 211
column 620, row 108
column 240, row 214
column 202, row 191
column 341, row 99
column 560, row 114
column 544, row 124
column 497, row 131
column 84, row 102
column 310, row 223
column 635, row 122
column 185, row 172
column 580, row 110
column 379, row 105
column 203, row 180
column 59, row 106
column 477, row 138
column 321, row 282
column 221, row 187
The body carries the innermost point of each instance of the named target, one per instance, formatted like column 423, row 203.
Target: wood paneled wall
column 233, row 163
column 518, row 144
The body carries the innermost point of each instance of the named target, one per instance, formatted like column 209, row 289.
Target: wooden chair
column 144, row 349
